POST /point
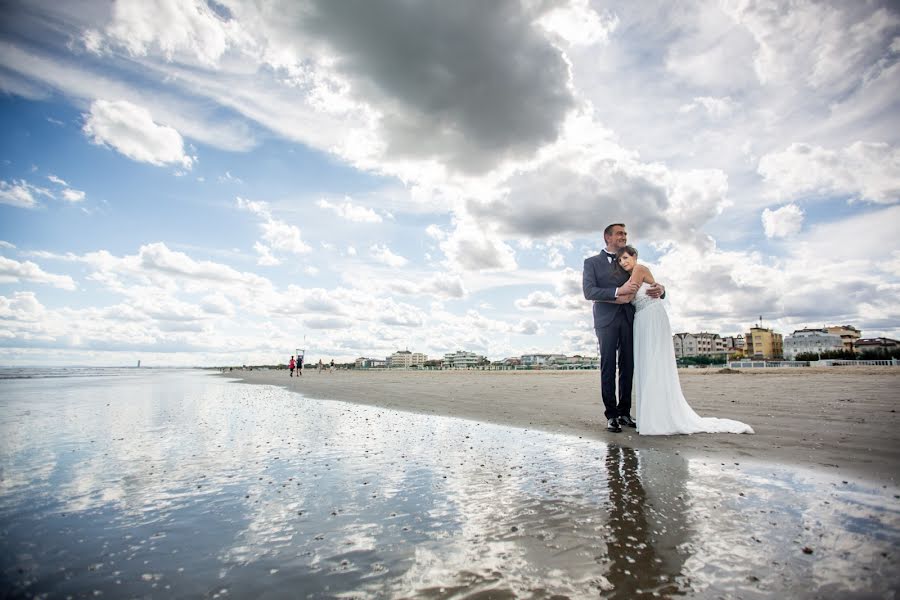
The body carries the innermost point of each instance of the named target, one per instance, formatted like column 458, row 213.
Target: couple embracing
column 631, row 321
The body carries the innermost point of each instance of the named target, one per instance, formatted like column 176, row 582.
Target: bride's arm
column 656, row 290
column 640, row 274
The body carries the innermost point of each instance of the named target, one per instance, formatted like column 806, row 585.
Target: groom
column 603, row 283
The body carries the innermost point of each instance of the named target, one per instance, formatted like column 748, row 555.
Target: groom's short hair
column 609, row 228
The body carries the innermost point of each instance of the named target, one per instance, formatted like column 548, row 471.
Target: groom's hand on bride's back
column 656, row 290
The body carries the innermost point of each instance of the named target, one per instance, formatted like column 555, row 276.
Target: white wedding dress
column 661, row 407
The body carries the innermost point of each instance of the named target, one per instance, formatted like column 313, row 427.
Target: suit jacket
column 599, row 281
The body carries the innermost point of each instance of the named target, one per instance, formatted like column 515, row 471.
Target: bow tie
column 609, row 256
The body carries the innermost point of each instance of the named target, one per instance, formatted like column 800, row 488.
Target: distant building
column 733, row 343
column 880, row 343
column 404, row 359
column 761, row 343
column 698, row 344
column 370, row 363
column 462, row 360
column 539, row 360
column 574, row 362
column 848, row 333
column 811, row 340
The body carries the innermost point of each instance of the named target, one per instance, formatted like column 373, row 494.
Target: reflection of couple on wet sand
column 644, row 528
column 631, row 321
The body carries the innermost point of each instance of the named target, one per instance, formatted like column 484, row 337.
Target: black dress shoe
column 627, row 420
column 613, row 425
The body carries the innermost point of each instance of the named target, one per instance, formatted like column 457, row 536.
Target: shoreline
column 835, row 421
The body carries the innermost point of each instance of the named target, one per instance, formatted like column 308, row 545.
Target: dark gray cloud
column 556, row 200
column 468, row 83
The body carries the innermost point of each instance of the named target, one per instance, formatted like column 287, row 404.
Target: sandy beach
column 837, row 420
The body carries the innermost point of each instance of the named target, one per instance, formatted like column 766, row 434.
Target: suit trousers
column 616, row 339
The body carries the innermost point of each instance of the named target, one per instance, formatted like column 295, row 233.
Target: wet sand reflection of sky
column 182, row 484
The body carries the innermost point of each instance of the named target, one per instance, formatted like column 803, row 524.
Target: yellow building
column 849, row 334
column 763, row 343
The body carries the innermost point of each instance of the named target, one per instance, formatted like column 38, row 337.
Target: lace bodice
column 641, row 300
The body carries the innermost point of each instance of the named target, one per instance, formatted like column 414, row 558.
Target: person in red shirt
column 291, row 366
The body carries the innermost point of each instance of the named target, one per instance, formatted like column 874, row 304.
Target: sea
column 155, row 483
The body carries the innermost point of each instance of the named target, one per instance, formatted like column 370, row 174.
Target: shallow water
column 182, row 484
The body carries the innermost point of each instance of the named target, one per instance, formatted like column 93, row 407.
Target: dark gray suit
column 612, row 323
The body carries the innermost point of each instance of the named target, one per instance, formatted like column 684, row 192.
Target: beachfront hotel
column 462, row 360
column 804, row 341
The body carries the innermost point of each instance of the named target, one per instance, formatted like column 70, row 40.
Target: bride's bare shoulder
column 643, row 272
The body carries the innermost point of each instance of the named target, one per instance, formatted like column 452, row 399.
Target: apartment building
column 404, row 359
column 762, row 343
column 698, row 344
column 849, row 335
column 804, row 341
column 733, row 343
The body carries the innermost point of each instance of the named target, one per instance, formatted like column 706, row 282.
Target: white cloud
column 477, row 246
column 256, row 207
column 157, row 256
column 284, row 237
column 73, row 195
column 824, row 46
column 277, row 234
column 527, row 327
column 555, row 258
column 57, row 180
column 783, row 222
column 130, row 129
column 351, row 212
column 716, row 108
column 217, row 304
column 23, row 307
column 435, row 232
column 5, row 244
column 185, row 29
column 13, row 271
column 383, row 254
column 867, row 171
column 20, row 193
column 539, row 301
column 577, row 23
column 265, row 258
column 328, row 322
column 228, row 177
column 444, row 285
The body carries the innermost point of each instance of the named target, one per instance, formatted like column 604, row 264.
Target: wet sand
column 838, row 421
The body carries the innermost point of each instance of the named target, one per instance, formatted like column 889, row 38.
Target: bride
column 661, row 407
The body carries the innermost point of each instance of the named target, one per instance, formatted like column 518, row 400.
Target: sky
column 220, row 183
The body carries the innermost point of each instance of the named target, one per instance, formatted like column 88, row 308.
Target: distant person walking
column 331, row 370
column 299, row 365
column 319, row 366
column 291, row 366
